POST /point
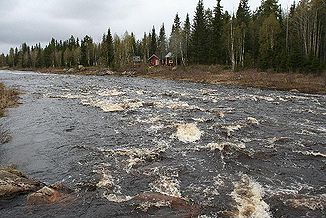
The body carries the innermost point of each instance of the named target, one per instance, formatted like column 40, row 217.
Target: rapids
column 135, row 147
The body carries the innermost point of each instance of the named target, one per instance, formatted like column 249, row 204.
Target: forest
column 270, row 38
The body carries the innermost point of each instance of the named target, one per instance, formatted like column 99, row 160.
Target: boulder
column 45, row 195
column 13, row 182
column 186, row 208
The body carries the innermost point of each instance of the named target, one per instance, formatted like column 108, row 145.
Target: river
column 235, row 152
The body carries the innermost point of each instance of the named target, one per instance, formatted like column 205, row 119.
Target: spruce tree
column 110, row 47
column 187, row 35
column 153, row 45
column 242, row 25
column 199, row 35
column 175, row 39
column 217, row 30
column 162, row 43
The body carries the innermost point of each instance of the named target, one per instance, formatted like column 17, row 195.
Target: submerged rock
column 176, row 203
column 45, row 195
column 13, row 182
column 56, row 193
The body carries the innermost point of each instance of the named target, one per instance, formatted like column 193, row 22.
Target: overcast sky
column 36, row 21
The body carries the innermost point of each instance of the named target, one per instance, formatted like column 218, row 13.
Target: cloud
column 35, row 21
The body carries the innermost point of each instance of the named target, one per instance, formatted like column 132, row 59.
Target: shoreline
column 8, row 98
column 297, row 82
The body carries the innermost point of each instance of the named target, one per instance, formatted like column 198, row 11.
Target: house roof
column 168, row 55
column 153, row 56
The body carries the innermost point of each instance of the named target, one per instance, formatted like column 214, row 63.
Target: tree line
column 270, row 37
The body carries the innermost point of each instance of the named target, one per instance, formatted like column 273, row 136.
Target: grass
column 307, row 83
column 8, row 98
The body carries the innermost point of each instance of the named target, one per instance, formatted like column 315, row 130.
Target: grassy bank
column 8, row 98
column 307, row 83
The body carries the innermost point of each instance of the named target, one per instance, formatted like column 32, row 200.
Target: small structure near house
column 136, row 60
column 154, row 60
column 168, row 59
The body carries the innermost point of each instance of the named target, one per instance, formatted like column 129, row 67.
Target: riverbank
column 8, row 98
column 306, row 83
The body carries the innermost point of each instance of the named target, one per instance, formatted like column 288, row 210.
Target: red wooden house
column 154, row 60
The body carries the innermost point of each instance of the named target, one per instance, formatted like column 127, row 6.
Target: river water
column 227, row 151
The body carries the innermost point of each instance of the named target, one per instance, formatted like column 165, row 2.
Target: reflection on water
column 136, row 147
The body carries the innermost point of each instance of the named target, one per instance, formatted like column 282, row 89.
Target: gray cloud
column 39, row 20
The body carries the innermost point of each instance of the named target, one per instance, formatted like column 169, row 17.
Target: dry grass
column 8, row 98
column 308, row 83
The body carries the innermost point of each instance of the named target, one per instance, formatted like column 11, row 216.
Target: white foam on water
column 155, row 128
column 248, row 195
column 216, row 146
column 116, row 198
column 231, row 128
column 167, row 185
column 176, row 105
column 171, row 104
column 152, row 120
column 188, row 132
column 106, row 180
column 221, row 114
column 109, row 184
column 139, row 92
column 134, row 105
column 104, row 105
column 260, row 97
column 221, row 146
column 145, row 206
column 67, row 96
column 311, row 153
column 109, row 92
column 137, row 156
column 252, row 120
column 204, row 216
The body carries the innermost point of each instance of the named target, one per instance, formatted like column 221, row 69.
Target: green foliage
column 153, row 45
column 268, row 39
column 162, row 43
column 176, row 38
column 199, row 36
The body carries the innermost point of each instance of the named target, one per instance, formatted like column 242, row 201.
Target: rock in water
column 13, row 182
column 185, row 208
column 45, row 195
